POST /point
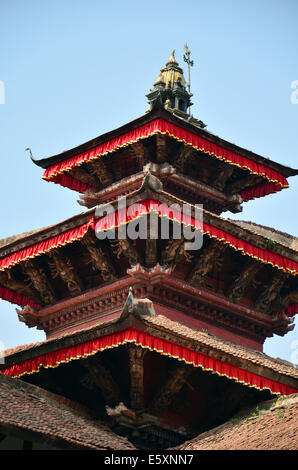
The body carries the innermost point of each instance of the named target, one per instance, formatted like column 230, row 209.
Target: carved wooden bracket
column 208, row 258
column 172, row 386
column 100, row 258
column 126, row 248
column 103, row 379
column 99, row 169
column 40, row 281
column 271, row 292
column 242, row 281
column 62, row 266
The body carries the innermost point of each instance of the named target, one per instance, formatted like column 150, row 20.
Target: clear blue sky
column 74, row 69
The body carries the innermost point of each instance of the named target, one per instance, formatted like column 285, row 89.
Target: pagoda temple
column 160, row 341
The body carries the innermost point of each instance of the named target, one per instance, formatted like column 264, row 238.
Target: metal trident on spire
column 189, row 62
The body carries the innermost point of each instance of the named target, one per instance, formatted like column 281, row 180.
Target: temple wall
column 198, row 324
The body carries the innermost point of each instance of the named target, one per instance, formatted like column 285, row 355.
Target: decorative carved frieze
column 223, row 317
column 158, row 286
column 85, row 311
column 40, row 281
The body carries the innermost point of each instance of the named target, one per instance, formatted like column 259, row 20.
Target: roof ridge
column 286, row 364
column 265, row 226
column 63, row 401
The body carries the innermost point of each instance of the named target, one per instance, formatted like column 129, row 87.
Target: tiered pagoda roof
column 162, row 342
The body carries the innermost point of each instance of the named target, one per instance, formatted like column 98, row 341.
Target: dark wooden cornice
column 166, row 198
column 160, row 112
column 144, row 192
column 260, row 241
column 45, row 233
column 166, row 173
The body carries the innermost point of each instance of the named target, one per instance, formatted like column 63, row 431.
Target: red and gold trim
column 16, row 298
column 69, row 182
column 291, row 310
column 260, row 190
column 153, row 343
column 124, row 216
column 159, row 126
column 147, row 206
column 45, row 246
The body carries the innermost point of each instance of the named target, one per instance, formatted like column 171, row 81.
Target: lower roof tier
column 142, row 375
column 147, row 376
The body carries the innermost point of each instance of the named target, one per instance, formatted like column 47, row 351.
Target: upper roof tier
column 162, row 137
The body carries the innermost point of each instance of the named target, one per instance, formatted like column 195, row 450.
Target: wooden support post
column 136, row 361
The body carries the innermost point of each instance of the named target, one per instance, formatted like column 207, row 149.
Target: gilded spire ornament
column 171, row 90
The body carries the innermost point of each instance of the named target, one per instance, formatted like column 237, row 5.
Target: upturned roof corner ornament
column 28, row 149
column 27, row 315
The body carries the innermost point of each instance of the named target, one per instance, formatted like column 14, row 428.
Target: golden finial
column 172, row 59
